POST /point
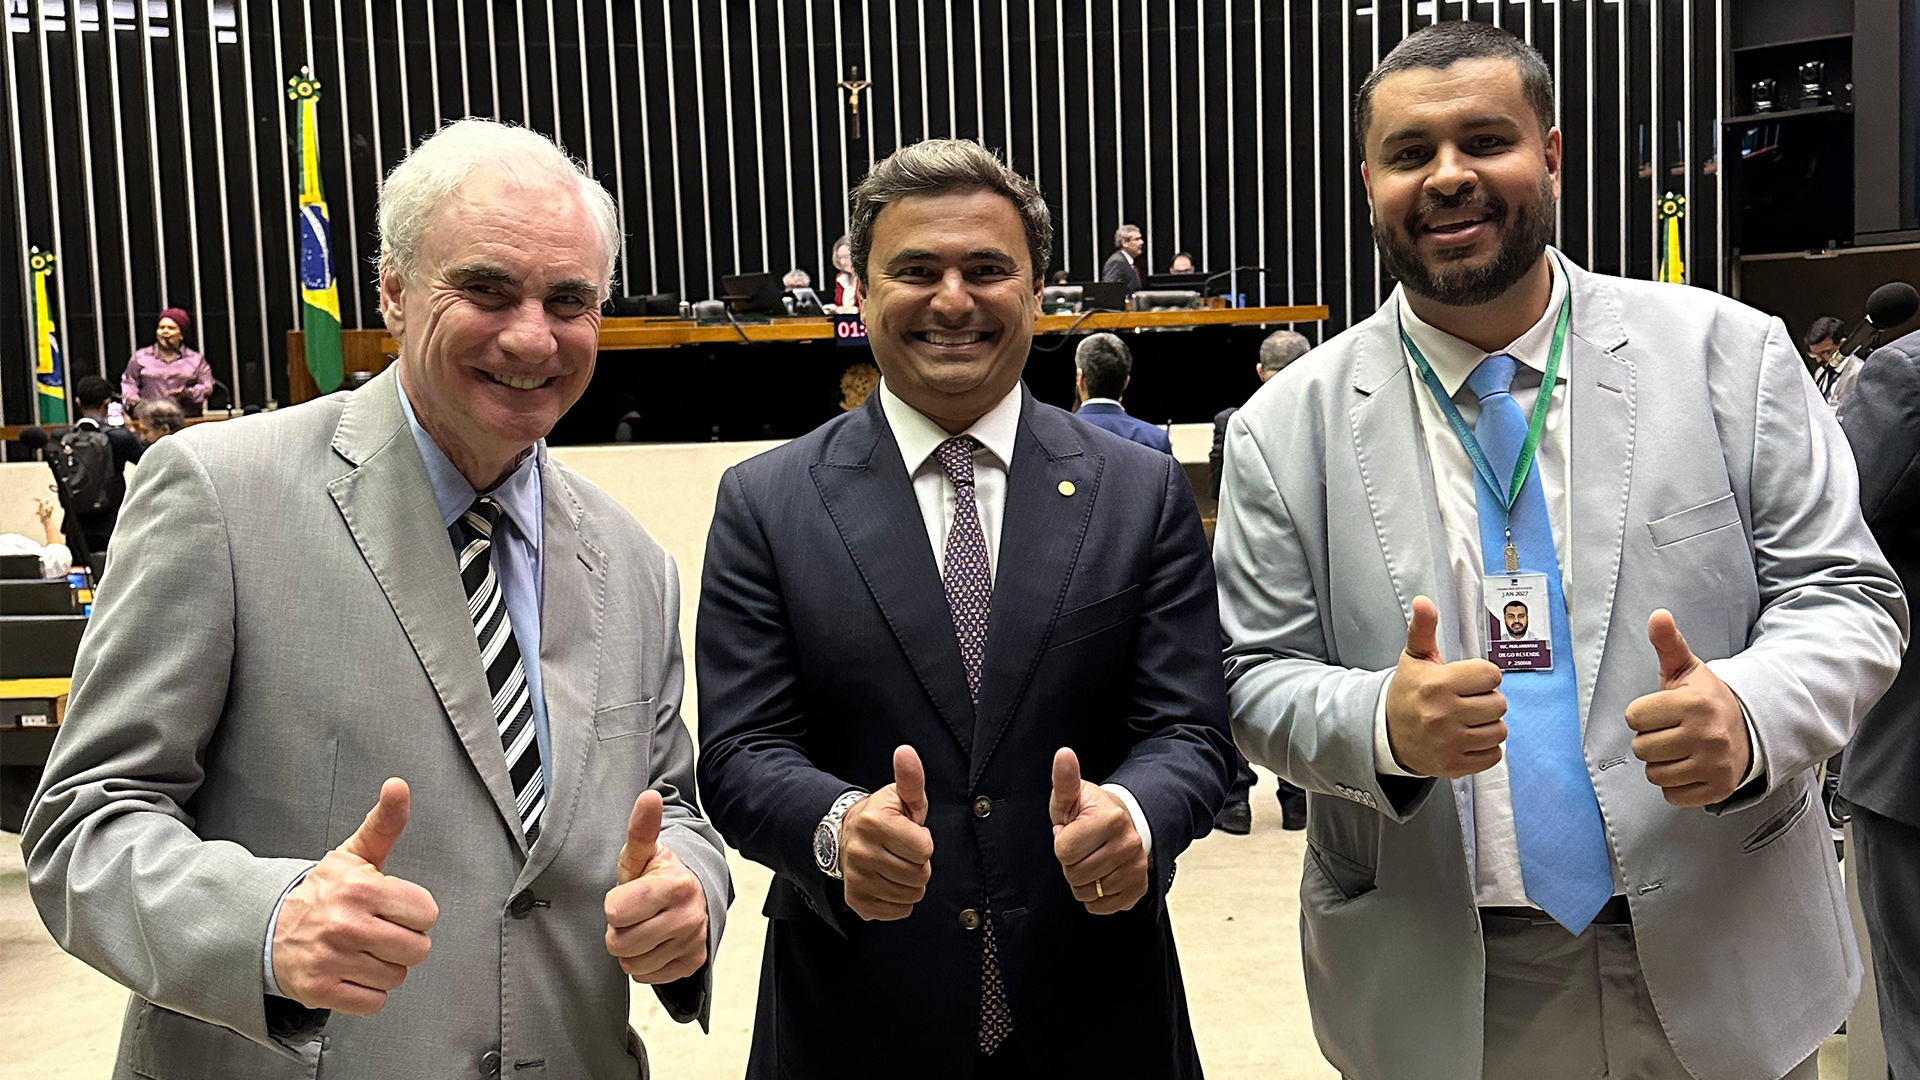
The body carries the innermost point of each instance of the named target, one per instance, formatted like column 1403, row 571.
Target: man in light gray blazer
column 394, row 599
column 1625, row 871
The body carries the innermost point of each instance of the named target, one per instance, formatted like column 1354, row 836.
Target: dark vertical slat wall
column 1220, row 127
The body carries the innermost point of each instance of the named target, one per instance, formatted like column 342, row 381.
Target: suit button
column 970, row 919
column 982, row 806
column 490, row 1063
column 521, row 904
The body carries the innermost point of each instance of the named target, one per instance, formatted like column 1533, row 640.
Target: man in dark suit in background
column 1122, row 267
column 1282, row 347
column 119, row 447
column 1881, row 777
column 921, row 626
column 1102, row 368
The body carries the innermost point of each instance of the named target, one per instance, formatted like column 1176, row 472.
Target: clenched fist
column 348, row 932
column 1443, row 719
column 886, row 852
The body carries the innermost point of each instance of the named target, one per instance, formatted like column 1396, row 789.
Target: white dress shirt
column 918, row 437
column 1497, row 851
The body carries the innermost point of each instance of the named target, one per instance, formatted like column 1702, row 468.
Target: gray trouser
column 1889, row 871
column 1574, row 1008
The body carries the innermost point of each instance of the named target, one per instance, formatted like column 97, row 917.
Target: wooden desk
column 373, row 350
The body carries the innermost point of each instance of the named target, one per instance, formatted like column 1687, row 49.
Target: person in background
column 1121, row 267
column 1282, row 347
column 168, row 368
column 846, row 298
column 106, row 451
column 156, row 419
column 1880, row 782
column 1102, row 368
column 1182, row 264
column 1833, row 373
column 797, row 278
column 55, row 557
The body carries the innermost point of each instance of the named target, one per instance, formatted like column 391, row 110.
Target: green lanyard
column 1535, row 426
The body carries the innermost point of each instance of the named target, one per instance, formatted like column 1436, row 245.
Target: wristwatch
column 826, row 835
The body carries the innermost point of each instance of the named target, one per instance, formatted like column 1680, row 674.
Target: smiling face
column 949, row 301
column 499, row 323
column 167, row 335
column 1461, row 181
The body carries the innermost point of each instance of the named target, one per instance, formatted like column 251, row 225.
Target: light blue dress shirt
column 516, row 562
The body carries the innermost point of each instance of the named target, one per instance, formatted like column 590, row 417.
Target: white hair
column 417, row 187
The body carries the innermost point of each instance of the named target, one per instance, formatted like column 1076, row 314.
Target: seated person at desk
column 153, row 420
column 845, row 299
column 796, row 279
column 55, row 557
column 1102, row 367
column 1182, row 264
column 168, row 368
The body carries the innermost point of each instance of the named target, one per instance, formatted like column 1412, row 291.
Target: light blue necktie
column 1563, row 845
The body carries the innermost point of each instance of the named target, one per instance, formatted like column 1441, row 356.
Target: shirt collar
column 1115, row 402
column 1453, row 360
column 518, row 495
column 918, row 437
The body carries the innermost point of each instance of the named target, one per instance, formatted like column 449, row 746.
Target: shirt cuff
column 1383, row 762
column 1133, row 810
column 1757, row 762
column 266, row 951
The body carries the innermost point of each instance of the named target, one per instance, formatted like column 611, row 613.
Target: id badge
column 1519, row 621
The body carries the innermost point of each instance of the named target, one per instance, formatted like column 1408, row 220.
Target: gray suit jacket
column 284, row 628
column 1708, row 478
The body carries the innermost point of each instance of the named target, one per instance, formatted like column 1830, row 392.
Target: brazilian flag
column 49, row 373
column 319, row 296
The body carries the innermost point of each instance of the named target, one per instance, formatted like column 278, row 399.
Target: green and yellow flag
column 319, row 297
column 1673, row 264
column 48, row 376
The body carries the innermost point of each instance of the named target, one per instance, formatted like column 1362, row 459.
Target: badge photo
column 1519, row 623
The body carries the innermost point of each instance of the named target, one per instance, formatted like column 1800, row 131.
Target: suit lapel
column 573, row 586
column 1604, row 407
column 864, row 485
column 1040, row 537
column 387, row 504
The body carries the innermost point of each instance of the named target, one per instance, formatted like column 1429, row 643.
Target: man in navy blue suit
column 960, row 682
column 1102, row 367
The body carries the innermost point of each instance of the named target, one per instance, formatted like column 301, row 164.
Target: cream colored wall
column 20, row 483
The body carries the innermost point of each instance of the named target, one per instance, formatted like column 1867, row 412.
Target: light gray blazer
column 283, row 628
column 1708, row 478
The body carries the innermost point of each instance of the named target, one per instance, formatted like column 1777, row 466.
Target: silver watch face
column 826, row 851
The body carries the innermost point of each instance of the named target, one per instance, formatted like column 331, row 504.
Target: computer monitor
column 1174, row 281
column 1102, row 295
column 634, row 306
column 806, row 302
column 753, row 294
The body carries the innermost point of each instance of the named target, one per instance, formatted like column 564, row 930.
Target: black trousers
column 1889, row 868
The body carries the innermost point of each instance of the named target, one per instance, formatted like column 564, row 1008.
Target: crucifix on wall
column 853, row 85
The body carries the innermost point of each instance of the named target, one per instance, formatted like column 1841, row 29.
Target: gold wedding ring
column 1098, row 892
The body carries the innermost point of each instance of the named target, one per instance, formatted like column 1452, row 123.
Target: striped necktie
column 512, row 698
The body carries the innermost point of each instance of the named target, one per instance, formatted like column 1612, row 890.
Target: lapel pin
column 1066, row 488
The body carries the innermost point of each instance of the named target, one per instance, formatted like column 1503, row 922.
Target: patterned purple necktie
column 969, row 581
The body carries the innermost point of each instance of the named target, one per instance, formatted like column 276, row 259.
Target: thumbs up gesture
column 657, row 909
column 886, row 852
column 1443, row 719
column 1691, row 732
column 1101, row 853
column 347, row 933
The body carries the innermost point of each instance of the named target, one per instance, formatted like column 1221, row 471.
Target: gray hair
column 417, row 187
column 161, row 416
column 937, row 167
column 1104, row 364
column 1282, row 347
column 1120, row 234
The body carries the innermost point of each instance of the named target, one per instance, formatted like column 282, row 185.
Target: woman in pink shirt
column 168, row 368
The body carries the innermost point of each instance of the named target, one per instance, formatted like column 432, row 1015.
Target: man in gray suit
column 1591, row 853
column 394, row 599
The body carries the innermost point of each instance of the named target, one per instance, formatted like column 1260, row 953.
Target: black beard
column 1527, row 235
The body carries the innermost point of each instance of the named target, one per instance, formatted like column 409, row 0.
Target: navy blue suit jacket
column 825, row 641
column 1126, row 425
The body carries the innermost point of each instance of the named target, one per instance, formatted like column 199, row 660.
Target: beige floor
column 1234, row 912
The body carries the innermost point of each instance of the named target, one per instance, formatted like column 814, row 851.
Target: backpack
column 86, row 466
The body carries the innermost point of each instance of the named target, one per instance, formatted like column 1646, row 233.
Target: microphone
column 1889, row 306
